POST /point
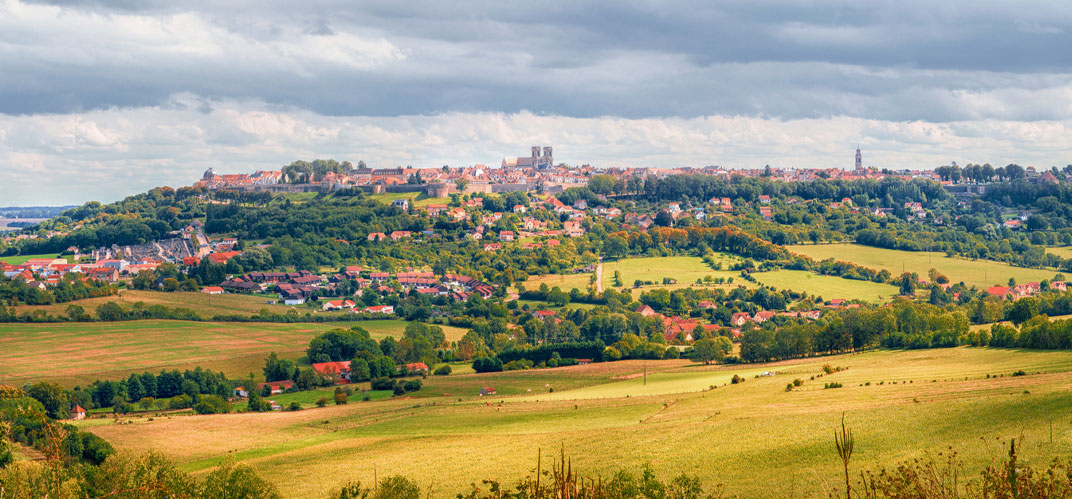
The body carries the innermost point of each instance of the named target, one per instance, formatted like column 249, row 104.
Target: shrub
column 294, row 406
column 443, row 370
column 211, row 404
column 517, row 365
column 1019, row 373
column 322, row 401
column 736, row 379
column 798, row 382
column 382, row 384
column 399, row 389
column 412, row 386
column 180, row 402
column 487, row 365
column 341, row 397
column 832, row 385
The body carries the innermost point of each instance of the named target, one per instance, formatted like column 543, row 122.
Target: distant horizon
column 113, row 98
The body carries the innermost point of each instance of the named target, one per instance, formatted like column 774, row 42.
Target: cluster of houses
column 339, row 371
column 676, row 328
column 1023, row 290
column 294, row 288
column 44, row 272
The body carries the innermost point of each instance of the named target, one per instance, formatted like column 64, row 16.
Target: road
column 599, row 276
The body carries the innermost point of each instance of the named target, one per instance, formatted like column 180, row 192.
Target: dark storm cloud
column 888, row 60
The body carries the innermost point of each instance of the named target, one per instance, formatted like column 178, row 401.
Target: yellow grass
column 203, row 304
column 979, row 273
column 754, row 437
column 78, row 353
column 684, row 269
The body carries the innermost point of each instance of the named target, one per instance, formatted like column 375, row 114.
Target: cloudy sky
column 101, row 99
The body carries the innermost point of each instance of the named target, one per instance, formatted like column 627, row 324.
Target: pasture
column 1061, row 251
column 202, row 304
column 21, row 259
column 978, row 273
column 417, row 199
column 683, row 269
column 565, row 282
column 755, row 438
column 78, row 353
column 828, row 287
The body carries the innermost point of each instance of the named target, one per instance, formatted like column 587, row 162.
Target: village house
column 740, row 318
column 212, row 290
column 337, row 305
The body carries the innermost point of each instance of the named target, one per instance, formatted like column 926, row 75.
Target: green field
column 754, row 438
column 418, row 199
column 203, row 304
column 684, row 269
column 78, row 353
column 828, row 287
column 565, row 282
column 979, row 273
column 21, row 259
column 1061, row 251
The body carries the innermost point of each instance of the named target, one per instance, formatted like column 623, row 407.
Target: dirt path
column 599, row 276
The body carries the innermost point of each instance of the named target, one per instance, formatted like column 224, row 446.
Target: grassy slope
column 979, row 273
column 78, row 353
column 684, row 269
column 753, row 437
column 418, row 199
column 21, row 259
column 828, row 287
column 203, row 304
column 1061, row 251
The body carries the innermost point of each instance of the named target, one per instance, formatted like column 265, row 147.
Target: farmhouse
column 337, row 305
column 212, row 290
column 414, row 368
column 78, row 413
column 276, row 387
column 487, row 390
column 740, row 318
column 339, row 371
column 380, row 309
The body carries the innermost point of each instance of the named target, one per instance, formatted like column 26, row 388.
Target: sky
column 101, row 99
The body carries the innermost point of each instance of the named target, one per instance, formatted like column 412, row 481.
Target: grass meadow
column 1061, row 251
column 418, row 199
column 754, row 437
column 203, row 304
column 828, row 287
column 21, row 259
column 979, row 273
column 565, row 282
column 683, row 269
column 78, row 353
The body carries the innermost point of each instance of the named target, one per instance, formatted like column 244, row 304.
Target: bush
column 517, row 365
column 294, row 406
column 487, row 365
column 341, row 397
column 412, row 386
column 443, row 370
column 211, row 404
column 736, row 379
column 832, row 385
column 382, row 384
column 399, row 389
column 798, row 382
column 181, row 402
column 1019, row 373
column 322, row 401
